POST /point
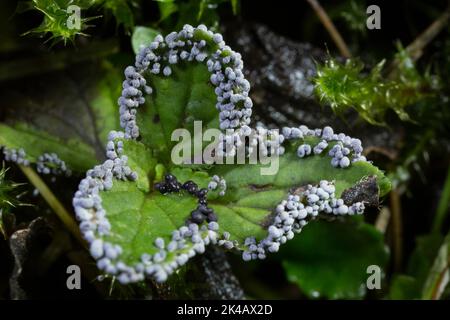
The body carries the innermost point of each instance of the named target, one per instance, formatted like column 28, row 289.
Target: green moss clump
column 371, row 94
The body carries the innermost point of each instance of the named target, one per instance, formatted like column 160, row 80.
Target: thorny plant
column 66, row 19
column 10, row 198
column 86, row 13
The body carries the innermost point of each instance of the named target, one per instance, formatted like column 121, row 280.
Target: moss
column 371, row 94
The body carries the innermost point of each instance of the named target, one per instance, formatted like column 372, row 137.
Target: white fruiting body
column 292, row 214
column 51, row 163
column 344, row 151
column 185, row 242
column 192, row 45
column 218, row 183
column 16, row 155
column 47, row 163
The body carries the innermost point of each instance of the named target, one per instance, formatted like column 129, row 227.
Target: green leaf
column 146, row 214
column 444, row 202
column 423, row 255
column 439, row 274
column 330, row 260
column 198, row 12
column 141, row 160
column 235, row 6
column 404, row 287
column 77, row 155
column 122, row 12
column 177, row 102
column 252, row 196
column 136, row 223
column 166, row 8
column 72, row 118
column 7, row 223
column 243, row 212
column 142, row 36
column 410, row 285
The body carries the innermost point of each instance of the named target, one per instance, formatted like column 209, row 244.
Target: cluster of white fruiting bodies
column 233, row 102
column 192, row 45
column 51, row 163
column 47, row 163
column 293, row 214
column 185, row 242
column 260, row 141
column 218, row 183
column 344, row 151
column 234, row 105
column 16, row 155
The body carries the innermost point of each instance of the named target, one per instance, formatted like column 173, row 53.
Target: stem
column 331, row 28
column 396, row 229
column 392, row 155
column 415, row 48
column 441, row 283
column 444, row 202
column 382, row 220
column 53, row 202
column 438, row 276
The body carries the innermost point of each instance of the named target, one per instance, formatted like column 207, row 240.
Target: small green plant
column 65, row 19
column 372, row 94
column 10, row 194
